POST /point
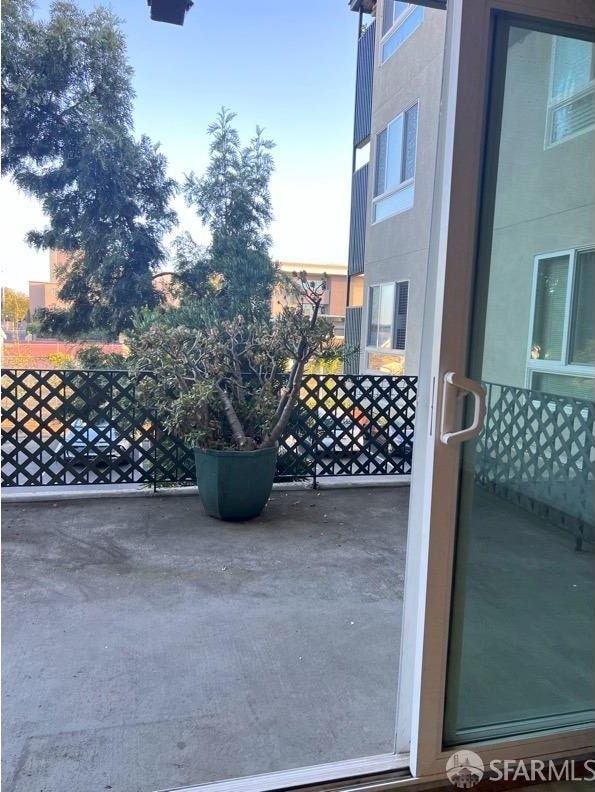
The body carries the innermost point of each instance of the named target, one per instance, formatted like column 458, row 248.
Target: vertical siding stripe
column 353, row 329
column 363, row 85
column 357, row 225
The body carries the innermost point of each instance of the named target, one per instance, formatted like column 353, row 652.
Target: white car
column 94, row 442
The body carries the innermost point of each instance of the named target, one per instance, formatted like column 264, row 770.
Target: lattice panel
column 86, row 427
column 83, row 427
column 355, row 425
column 540, row 446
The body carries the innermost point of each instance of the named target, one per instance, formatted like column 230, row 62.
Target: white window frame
column 370, row 348
column 563, row 366
column 407, row 184
column 402, row 17
column 398, row 21
column 557, row 102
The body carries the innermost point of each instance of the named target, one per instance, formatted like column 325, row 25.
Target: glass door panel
column 521, row 652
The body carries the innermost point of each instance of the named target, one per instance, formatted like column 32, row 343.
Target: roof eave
column 367, row 6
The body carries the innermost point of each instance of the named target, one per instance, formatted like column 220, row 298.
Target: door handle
column 454, row 384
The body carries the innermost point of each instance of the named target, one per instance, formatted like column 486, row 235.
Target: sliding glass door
column 510, row 364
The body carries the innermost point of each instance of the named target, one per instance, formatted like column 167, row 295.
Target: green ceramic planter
column 235, row 485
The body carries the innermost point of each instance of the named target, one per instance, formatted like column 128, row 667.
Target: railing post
column 154, row 452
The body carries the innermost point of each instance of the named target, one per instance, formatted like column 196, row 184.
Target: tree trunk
column 235, row 425
column 282, row 421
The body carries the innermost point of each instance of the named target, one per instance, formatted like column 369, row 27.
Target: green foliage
column 234, row 275
column 325, row 364
column 67, row 140
column 60, row 360
column 226, row 374
column 94, row 357
column 228, row 385
column 232, row 198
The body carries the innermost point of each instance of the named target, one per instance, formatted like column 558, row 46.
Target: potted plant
column 226, row 375
column 228, row 390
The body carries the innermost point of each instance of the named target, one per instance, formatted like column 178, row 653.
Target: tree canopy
column 228, row 374
column 67, row 140
column 233, row 197
column 233, row 384
column 234, row 274
column 15, row 305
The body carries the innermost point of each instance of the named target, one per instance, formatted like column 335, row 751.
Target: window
column 399, row 21
column 571, row 105
column 562, row 348
column 387, row 326
column 395, row 165
column 356, row 291
column 362, row 155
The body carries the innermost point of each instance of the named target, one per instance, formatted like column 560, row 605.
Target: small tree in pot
column 229, row 390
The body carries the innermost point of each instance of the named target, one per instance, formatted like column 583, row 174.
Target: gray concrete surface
column 147, row 646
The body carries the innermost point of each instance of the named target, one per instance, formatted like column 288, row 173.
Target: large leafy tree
column 228, row 374
column 68, row 141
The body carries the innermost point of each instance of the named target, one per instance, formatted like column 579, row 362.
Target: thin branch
column 179, row 276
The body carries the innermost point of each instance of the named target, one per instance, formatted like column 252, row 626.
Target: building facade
column 539, row 326
column 539, row 329
column 44, row 294
column 397, row 103
column 334, row 296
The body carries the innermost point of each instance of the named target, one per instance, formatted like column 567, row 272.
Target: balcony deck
column 147, row 646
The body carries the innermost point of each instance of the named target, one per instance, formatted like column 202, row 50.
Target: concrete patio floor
column 147, row 646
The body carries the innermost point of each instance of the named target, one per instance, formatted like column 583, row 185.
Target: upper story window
column 395, row 165
column 571, row 103
column 399, row 21
column 562, row 346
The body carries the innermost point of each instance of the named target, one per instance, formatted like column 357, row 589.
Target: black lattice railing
column 357, row 425
column 83, row 427
column 538, row 450
column 87, row 427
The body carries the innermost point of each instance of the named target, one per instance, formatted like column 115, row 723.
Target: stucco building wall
column 396, row 248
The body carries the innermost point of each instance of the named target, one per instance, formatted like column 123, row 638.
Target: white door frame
column 435, row 477
column 434, row 492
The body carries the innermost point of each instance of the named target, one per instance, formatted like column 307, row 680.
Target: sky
column 275, row 63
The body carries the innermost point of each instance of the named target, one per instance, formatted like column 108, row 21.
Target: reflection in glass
column 550, row 303
column 386, row 363
column 382, row 302
column 582, row 347
column 521, row 652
